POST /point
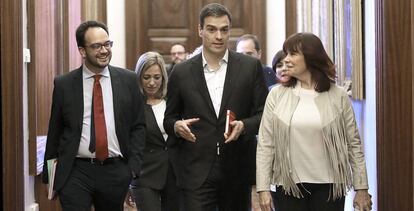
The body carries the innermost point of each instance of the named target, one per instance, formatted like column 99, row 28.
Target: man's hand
column 47, row 192
column 265, row 201
column 129, row 199
column 238, row 128
column 182, row 128
column 362, row 200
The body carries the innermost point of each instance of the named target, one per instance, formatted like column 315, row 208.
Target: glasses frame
column 98, row 46
column 177, row 53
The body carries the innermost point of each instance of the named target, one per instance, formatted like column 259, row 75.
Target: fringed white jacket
column 340, row 135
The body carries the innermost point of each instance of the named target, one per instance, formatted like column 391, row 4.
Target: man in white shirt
column 200, row 91
column 96, row 128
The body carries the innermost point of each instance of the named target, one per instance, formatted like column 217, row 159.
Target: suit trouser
column 216, row 193
column 104, row 186
column 166, row 199
column 316, row 198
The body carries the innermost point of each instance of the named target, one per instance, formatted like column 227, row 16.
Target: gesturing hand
column 182, row 128
column 238, row 127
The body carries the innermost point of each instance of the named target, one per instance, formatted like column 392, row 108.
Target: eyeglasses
column 98, row 46
column 177, row 53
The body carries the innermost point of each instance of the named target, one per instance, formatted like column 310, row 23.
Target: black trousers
column 105, row 186
column 316, row 198
column 166, row 199
column 217, row 193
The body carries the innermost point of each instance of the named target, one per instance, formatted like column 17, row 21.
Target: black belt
column 107, row 161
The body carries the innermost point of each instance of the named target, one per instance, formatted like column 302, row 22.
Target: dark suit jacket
column 269, row 76
column 188, row 97
column 169, row 68
column 156, row 155
column 65, row 125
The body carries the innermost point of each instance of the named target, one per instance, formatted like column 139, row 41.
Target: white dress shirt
column 159, row 110
column 113, row 144
column 215, row 81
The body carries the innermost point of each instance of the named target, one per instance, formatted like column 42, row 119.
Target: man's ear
column 259, row 54
column 82, row 52
column 200, row 30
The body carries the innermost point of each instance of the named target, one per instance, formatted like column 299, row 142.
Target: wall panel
column 394, row 56
column 11, row 61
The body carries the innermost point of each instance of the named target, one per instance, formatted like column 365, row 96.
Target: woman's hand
column 265, row 201
column 362, row 200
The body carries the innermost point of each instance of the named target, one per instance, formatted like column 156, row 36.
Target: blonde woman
column 155, row 187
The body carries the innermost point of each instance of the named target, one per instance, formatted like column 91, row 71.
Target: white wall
column 116, row 25
column 275, row 28
column 29, row 195
column 365, row 111
column 369, row 115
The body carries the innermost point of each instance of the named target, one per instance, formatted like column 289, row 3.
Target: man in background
column 178, row 54
column 249, row 44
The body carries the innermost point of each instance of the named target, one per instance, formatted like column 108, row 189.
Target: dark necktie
column 99, row 139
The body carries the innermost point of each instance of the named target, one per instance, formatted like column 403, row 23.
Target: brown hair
column 317, row 60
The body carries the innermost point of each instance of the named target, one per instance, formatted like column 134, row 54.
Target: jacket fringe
column 282, row 165
column 334, row 137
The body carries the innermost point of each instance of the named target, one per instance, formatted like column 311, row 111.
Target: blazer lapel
column 200, row 81
column 152, row 123
column 231, row 79
column 116, row 82
column 77, row 87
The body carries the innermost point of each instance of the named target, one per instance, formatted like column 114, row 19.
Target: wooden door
column 52, row 43
column 154, row 25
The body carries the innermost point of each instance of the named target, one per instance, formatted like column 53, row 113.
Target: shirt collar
column 89, row 74
column 225, row 58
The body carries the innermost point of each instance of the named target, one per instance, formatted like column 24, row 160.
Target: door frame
column 11, row 61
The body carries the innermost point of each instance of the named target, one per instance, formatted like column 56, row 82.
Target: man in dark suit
column 249, row 44
column 96, row 128
column 200, row 91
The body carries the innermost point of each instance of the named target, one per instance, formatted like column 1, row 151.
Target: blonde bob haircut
column 144, row 62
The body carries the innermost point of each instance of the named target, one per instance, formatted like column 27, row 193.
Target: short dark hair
column 250, row 37
column 178, row 43
column 317, row 60
column 83, row 27
column 277, row 58
column 213, row 9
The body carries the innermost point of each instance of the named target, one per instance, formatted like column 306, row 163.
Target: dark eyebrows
column 214, row 27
